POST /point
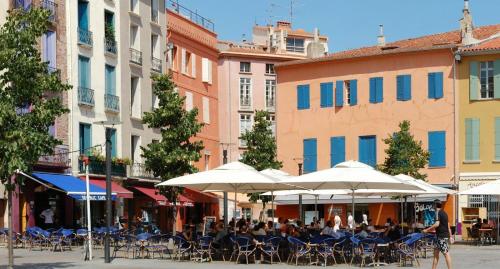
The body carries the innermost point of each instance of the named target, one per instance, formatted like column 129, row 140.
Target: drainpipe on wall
column 455, row 132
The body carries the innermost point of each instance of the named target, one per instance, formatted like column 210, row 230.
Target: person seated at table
column 284, row 228
column 363, row 234
column 388, row 222
column 370, row 227
column 485, row 224
column 269, row 227
column 329, row 230
column 259, row 229
column 244, row 233
column 220, row 232
column 393, row 232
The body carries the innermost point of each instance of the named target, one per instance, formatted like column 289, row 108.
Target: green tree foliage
column 404, row 154
column 174, row 154
column 30, row 95
column 261, row 149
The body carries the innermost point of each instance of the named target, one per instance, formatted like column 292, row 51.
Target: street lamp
column 109, row 209
column 299, row 162
column 225, row 146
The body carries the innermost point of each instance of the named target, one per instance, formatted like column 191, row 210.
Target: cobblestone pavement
column 469, row 257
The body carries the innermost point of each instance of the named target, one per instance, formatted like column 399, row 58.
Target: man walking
column 443, row 234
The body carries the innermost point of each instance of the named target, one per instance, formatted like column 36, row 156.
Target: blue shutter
column 339, row 93
column 497, row 139
column 380, row 90
column 306, row 97
column 437, row 149
column 399, row 88
column 439, row 85
column 373, row 89
column 50, row 49
column 337, row 150
column 468, row 139
column 354, row 92
column 407, row 88
column 326, row 92
column 112, row 136
column 299, row 96
column 110, row 77
column 303, row 97
column 83, row 72
column 310, row 155
column 85, row 138
column 83, row 15
column 431, row 85
column 368, row 150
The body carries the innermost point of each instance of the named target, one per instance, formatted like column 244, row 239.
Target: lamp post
column 109, row 208
column 226, row 211
column 301, row 210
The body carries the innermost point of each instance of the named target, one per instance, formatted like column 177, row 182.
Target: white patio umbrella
column 351, row 175
column 276, row 174
column 233, row 177
column 491, row 188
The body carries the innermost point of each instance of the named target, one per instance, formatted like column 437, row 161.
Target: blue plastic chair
column 183, row 247
column 271, row 248
column 245, row 248
column 298, row 249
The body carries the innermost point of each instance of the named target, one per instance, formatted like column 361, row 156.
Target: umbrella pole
column 316, row 207
column 235, row 205
column 272, row 206
column 415, row 208
column 353, row 218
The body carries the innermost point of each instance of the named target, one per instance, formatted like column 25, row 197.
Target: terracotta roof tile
column 491, row 44
column 436, row 41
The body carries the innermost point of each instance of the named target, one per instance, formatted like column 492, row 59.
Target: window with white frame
column 272, row 120
column 186, row 62
column 245, row 93
column 347, row 85
column 486, row 79
column 154, row 10
column 295, row 44
column 270, row 69
column 206, row 66
column 189, row 101
column 135, row 142
column 135, row 98
column 245, row 67
column 134, row 37
column 245, row 125
column 270, row 93
column 206, row 110
column 155, row 101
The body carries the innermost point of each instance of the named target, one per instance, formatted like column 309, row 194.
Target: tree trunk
column 11, row 226
column 174, row 220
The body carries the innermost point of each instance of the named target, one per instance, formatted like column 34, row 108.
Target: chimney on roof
column 316, row 35
column 381, row 37
column 466, row 26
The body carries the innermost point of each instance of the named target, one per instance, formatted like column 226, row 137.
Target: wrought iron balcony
column 245, row 102
column 98, row 167
column 135, row 56
column 156, row 64
column 112, row 103
column 85, row 96
column 174, row 6
column 51, row 6
column 60, row 157
column 139, row 170
column 85, row 37
column 110, row 46
column 24, row 4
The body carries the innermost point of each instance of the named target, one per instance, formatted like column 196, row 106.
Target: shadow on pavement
column 43, row 265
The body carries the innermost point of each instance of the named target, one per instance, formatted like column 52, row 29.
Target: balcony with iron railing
column 245, row 102
column 156, row 64
column 85, row 37
column 270, row 104
column 110, row 46
column 51, row 6
column 135, row 56
column 174, row 6
column 139, row 170
column 60, row 158
column 112, row 103
column 98, row 167
column 85, row 96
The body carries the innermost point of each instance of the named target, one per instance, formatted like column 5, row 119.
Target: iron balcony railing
column 51, row 6
column 111, row 103
column 139, row 170
column 98, row 167
column 85, row 96
column 60, row 157
column 156, row 64
column 193, row 16
column 110, row 45
column 135, row 56
column 85, row 37
column 245, row 102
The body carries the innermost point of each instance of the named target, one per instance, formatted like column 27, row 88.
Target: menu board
column 207, row 221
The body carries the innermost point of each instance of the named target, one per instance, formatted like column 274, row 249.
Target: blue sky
column 347, row 23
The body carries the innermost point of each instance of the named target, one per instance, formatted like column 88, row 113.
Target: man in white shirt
column 48, row 216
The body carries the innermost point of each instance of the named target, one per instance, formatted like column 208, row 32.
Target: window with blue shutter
column 435, row 85
column 497, row 139
column 339, row 93
column 49, row 49
column 403, row 92
column 84, row 72
column 472, row 139
column 83, row 15
column 112, row 137
column 437, row 148
column 353, row 92
column 367, row 150
column 326, row 92
column 337, row 150
column 110, row 79
column 303, row 97
column 85, row 138
column 310, row 155
column 376, row 90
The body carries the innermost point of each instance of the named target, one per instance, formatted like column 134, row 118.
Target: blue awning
column 73, row 186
